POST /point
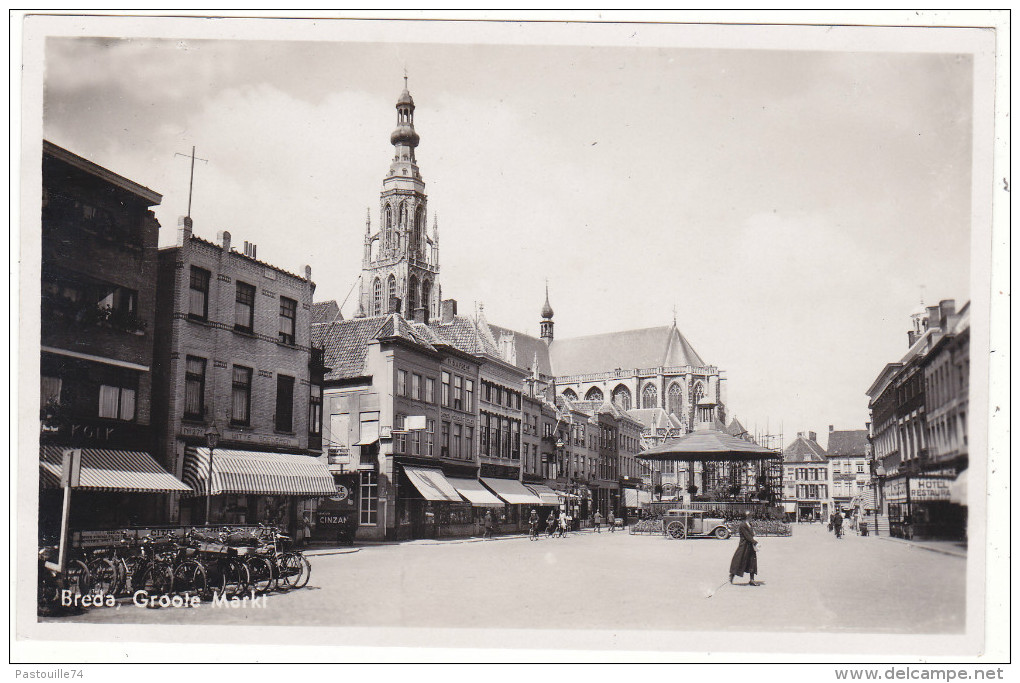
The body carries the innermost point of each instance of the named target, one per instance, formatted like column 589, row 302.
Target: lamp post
column 212, row 437
column 880, row 474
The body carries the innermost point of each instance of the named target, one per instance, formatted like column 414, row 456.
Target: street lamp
column 212, row 437
column 880, row 473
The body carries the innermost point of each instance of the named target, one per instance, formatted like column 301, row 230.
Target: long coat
column 745, row 559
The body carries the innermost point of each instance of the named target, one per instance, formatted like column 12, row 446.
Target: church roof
column 735, row 428
column 645, row 348
column 655, row 418
column 325, row 312
column 803, row 449
column 847, row 442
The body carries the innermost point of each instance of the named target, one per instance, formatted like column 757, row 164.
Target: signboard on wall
column 922, row 489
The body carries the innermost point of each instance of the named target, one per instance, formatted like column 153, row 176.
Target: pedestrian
column 306, row 529
column 837, row 524
column 488, row 524
column 550, row 524
column 533, row 525
column 598, row 522
column 611, row 522
column 745, row 559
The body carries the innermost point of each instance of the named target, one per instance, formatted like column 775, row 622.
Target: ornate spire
column 546, row 326
column 547, row 311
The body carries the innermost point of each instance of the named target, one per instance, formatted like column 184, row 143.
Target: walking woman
column 745, row 559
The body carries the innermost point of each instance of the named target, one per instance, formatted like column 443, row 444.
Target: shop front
column 519, row 502
column 551, row 501
column 481, row 501
column 921, row 506
column 633, row 501
column 428, row 505
column 109, row 488
column 253, row 487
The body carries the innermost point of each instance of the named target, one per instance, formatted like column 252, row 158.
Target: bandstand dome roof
column 708, row 445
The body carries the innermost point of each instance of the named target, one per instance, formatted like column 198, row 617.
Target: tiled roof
column 325, row 312
column 527, row 348
column 735, row 428
column 345, row 344
column 848, row 442
column 397, row 327
column 804, row 450
column 462, row 333
column 653, row 418
column 647, row 348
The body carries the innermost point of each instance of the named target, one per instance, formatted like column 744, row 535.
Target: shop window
column 288, row 320
column 198, row 302
column 244, row 308
column 194, row 388
column 49, row 391
column 369, row 497
column 284, row 403
column 116, row 403
column 240, row 397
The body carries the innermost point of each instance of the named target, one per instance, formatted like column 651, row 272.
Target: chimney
column 812, row 436
column 800, row 435
column 183, row 230
column 308, row 272
column 831, row 428
column 223, row 237
column 911, row 337
column 933, row 317
column 250, row 249
column 947, row 307
column 419, row 314
column 448, row 310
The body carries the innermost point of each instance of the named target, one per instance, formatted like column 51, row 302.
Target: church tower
column 400, row 266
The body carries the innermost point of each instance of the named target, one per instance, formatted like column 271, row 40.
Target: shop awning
column 369, row 434
column 255, row 472
column 110, row 470
column 548, row 496
column 432, row 484
column 473, row 490
column 630, row 498
column 790, row 507
column 512, row 491
column 958, row 489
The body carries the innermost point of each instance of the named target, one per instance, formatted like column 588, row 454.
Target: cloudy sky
column 792, row 205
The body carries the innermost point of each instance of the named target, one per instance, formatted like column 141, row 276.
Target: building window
column 457, row 433
column 430, row 390
column 369, row 497
column 401, row 382
column 444, row 443
column 430, row 433
column 416, row 442
column 416, row 387
column 399, row 435
column 288, row 320
column 469, row 443
column 446, row 389
column 649, row 396
column 483, row 434
column 315, row 410
column 284, row 403
column 244, row 308
column 116, row 403
column 198, row 306
column 469, row 395
column 377, row 307
column 392, row 294
column 194, row 388
column 240, row 398
column 458, row 392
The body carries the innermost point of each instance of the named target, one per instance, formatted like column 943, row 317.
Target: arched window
column 675, row 399
column 569, row 394
column 594, row 394
column 412, row 295
column 377, row 305
column 388, row 232
column 697, row 393
column 426, row 298
column 418, row 245
column 621, row 396
column 649, row 396
column 391, row 291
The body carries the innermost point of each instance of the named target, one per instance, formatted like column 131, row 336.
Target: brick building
column 806, row 479
column 233, row 356
column 98, row 306
column 850, row 469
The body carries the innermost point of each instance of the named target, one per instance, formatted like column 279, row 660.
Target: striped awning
column 110, row 470
column 512, row 491
column 255, row 472
column 432, row 484
column 548, row 496
column 473, row 490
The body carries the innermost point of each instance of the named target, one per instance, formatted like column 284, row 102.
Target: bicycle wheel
column 262, row 576
column 78, row 578
column 304, row 571
column 190, row 577
column 104, row 576
column 289, row 571
column 156, row 579
column 236, row 576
